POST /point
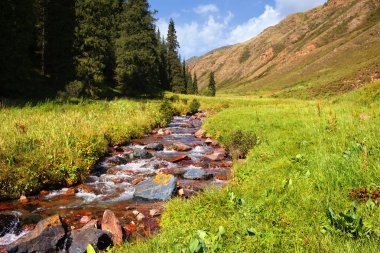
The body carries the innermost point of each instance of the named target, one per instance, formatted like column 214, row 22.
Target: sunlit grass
column 310, row 157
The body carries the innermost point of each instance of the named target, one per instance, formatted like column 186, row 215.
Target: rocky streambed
column 123, row 198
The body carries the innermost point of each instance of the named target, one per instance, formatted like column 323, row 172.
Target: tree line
column 91, row 48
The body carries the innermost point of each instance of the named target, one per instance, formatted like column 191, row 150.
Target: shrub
column 167, row 111
column 184, row 101
column 174, row 98
column 194, row 106
column 74, row 89
column 239, row 143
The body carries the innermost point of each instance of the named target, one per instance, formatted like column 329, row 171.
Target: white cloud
column 208, row 8
column 199, row 37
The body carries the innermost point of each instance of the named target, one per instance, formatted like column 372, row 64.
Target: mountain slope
column 327, row 50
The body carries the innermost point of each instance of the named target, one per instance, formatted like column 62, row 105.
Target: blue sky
column 203, row 25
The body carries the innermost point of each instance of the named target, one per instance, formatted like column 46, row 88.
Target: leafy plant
column 90, row 249
column 194, row 106
column 240, row 142
column 167, row 111
column 204, row 243
column 348, row 223
column 233, row 199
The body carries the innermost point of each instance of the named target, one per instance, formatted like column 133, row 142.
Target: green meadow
column 292, row 192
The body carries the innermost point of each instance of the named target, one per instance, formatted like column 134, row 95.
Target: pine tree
column 16, row 47
column 211, row 85
column 195, row 83
column 94, row 42
column 175, row 71
column 137, row 69
column 163, row 62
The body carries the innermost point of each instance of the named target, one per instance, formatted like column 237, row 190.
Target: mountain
column 330, row 49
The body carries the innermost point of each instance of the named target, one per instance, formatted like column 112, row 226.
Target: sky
column 204, row 25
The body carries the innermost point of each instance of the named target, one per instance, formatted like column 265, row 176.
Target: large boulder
column 96, row 237
column 10, row 222
column 48, row 236
column 111, row 224
column 159, row 188
column 155, row 146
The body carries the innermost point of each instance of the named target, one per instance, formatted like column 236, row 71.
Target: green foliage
column 90, row 249
column 211, row 85
column 194, row 106
column 204, row 243
column 175, row 68
column 74, row 89
column 240, row 142
column 56, row 144
column 347, row 223
column 137, row 59
column 167, row 111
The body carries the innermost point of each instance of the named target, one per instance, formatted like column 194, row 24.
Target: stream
column 133, row 181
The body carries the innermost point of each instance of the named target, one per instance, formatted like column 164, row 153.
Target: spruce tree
column 16, row 48
column 163, row 62
column 137, row 69
column 175, row 71
column 94, row 43
column 211, row 85
column 195, row 83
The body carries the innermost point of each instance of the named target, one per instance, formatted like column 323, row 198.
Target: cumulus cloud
column 216, row 30
column 208, row 8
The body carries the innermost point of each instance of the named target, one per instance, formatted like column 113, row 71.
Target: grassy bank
column 309, row 157
column 53, row 144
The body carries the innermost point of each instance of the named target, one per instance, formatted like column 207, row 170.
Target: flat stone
column 178, row 158
column 85, row 219
column 154, row 212
column 181, row 147
column 216, row 156
column 44, row 238
column 111, row 224
column 155, row 146
column 97, row 238
column 159, row 188
column 196, row 174
column 117, row 160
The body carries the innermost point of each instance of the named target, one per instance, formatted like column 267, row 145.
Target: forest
column 90, row 48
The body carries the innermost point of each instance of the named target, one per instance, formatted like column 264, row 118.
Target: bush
column 240, row 142
column 184, row 101
column 174, row 98
column 194, row 106
column 167, row 111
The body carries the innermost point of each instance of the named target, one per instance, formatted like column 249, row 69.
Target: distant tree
column 137, row 69
column 175, row 71
column 163, row 62
column 211, row 85
column 94, row 42
column 195, row 83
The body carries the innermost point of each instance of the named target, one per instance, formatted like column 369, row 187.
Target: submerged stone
column 159, row 188
column 141, row 154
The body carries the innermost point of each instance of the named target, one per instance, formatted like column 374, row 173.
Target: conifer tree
column 195, row 83
column 95, row 33
column 137, row 69
column 163, row 62
column 211, row 85
column 175, row 71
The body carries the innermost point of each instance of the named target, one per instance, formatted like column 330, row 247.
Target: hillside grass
column 53, row 144
column 311, row 155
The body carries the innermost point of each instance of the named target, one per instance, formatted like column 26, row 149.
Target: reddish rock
column 23, row 199
column 200, row 134
column 135, row 182
column 214, row 143
column 181, row 192
column 216, row 156
column 4, row 207
column 111, row 224
column 44, row 192
column 29, row 227
column 208, row 141
column 154, row 212
column 70, row 192
column 91, row 224
column 161, row 132
column 181, row 147
column 168, row 132
column 178, row 158
column 85, row 219
column 85, row 188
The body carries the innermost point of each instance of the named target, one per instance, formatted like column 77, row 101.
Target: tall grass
column 50, row 144
column 310, row 157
